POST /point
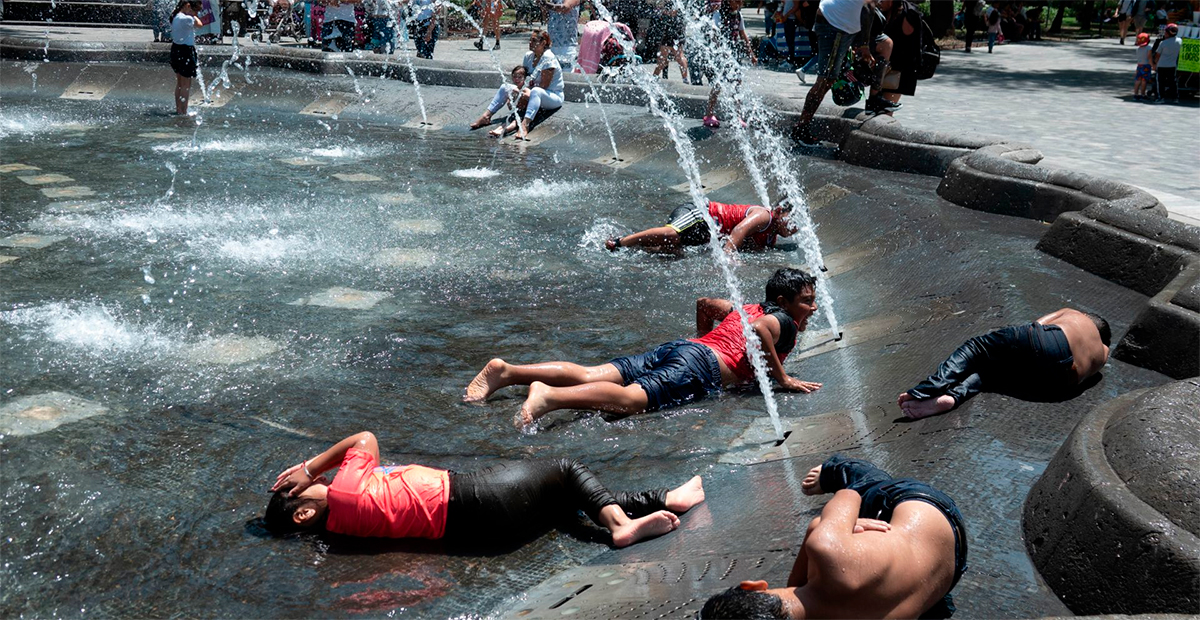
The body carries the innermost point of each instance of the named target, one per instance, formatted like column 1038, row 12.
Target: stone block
column 39, row 413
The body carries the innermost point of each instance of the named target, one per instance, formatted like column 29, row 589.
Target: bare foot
column 688, row 494
column 486, row 382
column 497, row 132
column 649, row 526
column 482, row 121
column 522, row 132
column 535, row 405
column 922, row 408
column 812, row 482
column 903, row 398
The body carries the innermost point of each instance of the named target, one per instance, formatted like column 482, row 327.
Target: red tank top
column 727, row 216
column 728, row 340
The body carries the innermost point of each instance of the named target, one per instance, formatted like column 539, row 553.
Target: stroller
column 276, row 19
column 600, row 51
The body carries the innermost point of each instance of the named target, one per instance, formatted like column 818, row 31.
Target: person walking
column 839, row 24
column 972, row 17
column 993, row 27
column 490, row 12
column 424, row 28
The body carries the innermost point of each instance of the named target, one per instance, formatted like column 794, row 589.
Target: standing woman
column 183, row 50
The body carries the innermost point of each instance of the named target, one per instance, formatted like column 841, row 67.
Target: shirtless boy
column 505, row 502
column 1048, row 358
column 882, row 548
column 744, row 227
column 675, row 373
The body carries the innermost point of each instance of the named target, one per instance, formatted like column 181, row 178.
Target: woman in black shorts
column 667, row 34
column 183, row 50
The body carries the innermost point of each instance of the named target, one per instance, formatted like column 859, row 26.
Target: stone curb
column 1101, row 548
column 1114, row 230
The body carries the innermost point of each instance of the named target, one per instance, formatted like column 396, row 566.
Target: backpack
column 847, row 89
column 930, row 55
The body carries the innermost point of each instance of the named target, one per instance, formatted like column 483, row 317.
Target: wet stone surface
column 520, row 272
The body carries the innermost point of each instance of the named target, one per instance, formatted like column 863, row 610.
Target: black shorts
column 688, row 221
column 183, row 59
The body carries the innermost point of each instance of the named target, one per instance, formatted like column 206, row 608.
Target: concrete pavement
column 1072, row 100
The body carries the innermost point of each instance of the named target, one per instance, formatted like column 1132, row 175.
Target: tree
column 1056, row 26
column 941, row 17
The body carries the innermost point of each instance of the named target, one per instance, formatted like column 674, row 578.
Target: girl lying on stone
column 509, row 501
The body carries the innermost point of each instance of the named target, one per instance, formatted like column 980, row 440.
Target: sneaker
column 803, row 135
column 479, row 45
column 888, row 106
column 711, row 122
column 496, row 46
column 800, row 74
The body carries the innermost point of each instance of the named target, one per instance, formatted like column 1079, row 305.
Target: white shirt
column 183, row 29
column 1169, row 50
column 843, row 14
column 547, row 63
column 342, row 12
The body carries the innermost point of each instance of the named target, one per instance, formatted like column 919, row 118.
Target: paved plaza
column 1072, row 100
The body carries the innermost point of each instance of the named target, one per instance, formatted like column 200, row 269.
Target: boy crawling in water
column 506, row 502
column 674, row 373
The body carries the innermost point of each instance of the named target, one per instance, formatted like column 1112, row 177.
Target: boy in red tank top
column 744, row 227
column 676, row 372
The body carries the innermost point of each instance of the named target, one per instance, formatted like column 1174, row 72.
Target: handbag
column 931, row 54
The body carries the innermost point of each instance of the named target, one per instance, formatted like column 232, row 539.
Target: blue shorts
column 832, row 46
column 673, row 374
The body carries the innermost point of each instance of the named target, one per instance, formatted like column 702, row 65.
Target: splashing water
column 612, row 140
column 758, row 142
column 412, row 74
column 664, row 108
column 475, row 173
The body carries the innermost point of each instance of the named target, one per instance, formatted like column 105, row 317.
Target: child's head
column 788, row 283
column 781, row 219
column 1143, row 39
column 740, row 602
column 519, row 73
column 287, row 514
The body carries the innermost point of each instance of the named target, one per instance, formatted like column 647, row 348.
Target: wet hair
column 788, row 283
column 543, row 35
column 1102, row 326
column 280, row 510
column 743, row 604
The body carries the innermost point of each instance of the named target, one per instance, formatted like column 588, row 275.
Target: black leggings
column 525, row 497
column 1031, row 360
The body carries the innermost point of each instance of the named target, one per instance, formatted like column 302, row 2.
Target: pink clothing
column 387, row 502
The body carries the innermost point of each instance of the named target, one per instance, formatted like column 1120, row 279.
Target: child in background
column 183, row 50
column 514, row 94
column 733, row 29
column 1143, row 66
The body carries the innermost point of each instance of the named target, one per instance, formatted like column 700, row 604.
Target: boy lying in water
column 509, row 501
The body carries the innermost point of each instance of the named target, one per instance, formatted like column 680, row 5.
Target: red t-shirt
column 728, row 216
column 730, row 342
column 387, row 502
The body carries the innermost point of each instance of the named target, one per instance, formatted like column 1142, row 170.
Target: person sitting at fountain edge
column 505, row 502
column 882, row 548
column 514, row 94
column 1049, row 358
column 750, row 227
column 674, row 373
column 546, row 92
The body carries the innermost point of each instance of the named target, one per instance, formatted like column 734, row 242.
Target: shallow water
column 202, row 319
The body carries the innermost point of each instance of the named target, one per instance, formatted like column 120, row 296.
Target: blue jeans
column 881, row 493
column 832, row 45
column 673, row 374
column 992, row 40
column 1031, row 359
column 417, row 32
